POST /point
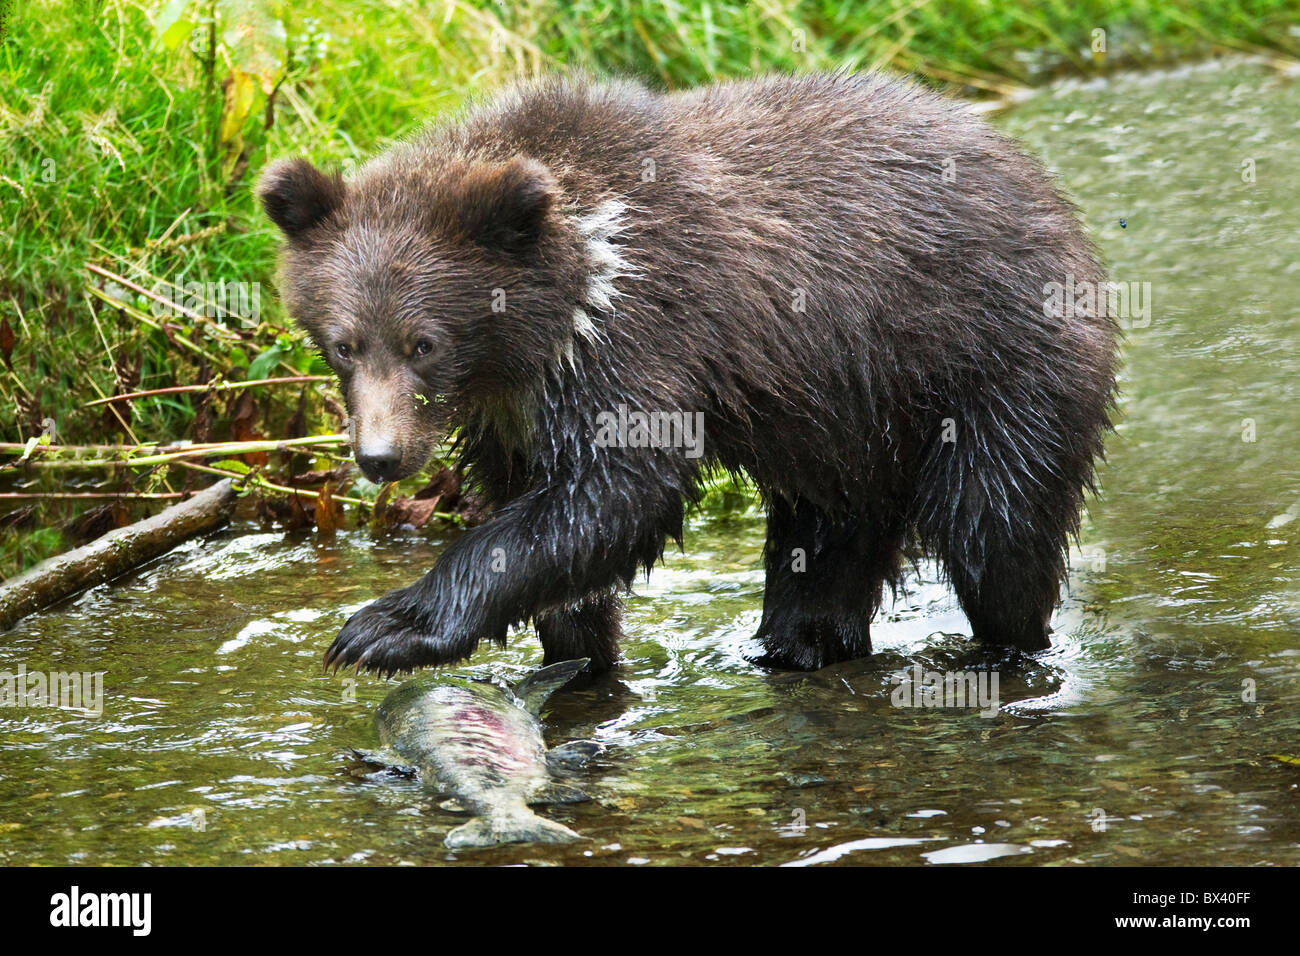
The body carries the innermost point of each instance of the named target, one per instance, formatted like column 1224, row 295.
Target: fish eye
column 423, row 347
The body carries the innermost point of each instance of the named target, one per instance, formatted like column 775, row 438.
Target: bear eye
column 344, row 350
column 423, row 347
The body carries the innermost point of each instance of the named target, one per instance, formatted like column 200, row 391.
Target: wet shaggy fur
column 866, row 339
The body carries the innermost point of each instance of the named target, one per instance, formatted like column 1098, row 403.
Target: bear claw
column 386, row 638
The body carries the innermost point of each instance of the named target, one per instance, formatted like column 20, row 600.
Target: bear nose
column 379, row 464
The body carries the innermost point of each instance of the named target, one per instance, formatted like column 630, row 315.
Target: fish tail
column 519, row 825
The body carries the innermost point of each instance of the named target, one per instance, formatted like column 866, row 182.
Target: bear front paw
column 390, row 637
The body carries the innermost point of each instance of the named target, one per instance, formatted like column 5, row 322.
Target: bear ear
column 504, row 206
column 297, row 195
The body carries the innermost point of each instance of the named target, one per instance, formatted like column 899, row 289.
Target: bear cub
column 843, row 287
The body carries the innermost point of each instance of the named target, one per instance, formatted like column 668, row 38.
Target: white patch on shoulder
column 583, row 325
column 600, row 229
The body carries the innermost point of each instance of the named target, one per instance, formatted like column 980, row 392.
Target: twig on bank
column 210, row 450
column 256, row 480
column 147, row 293
column 123, row 495
column 214, row 386
column 143, row 319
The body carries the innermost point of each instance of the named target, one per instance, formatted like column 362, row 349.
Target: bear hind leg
column 824, row 583
column 1009, row 599
column 1006, row 563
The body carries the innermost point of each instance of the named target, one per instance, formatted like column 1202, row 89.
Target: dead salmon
column 481, row 743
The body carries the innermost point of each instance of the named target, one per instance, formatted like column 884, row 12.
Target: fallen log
column 114, row 554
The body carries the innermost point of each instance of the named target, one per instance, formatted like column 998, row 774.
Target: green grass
column 114, row 155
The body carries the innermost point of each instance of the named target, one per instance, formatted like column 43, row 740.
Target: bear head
column 435, row 285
